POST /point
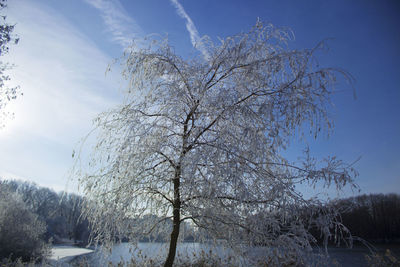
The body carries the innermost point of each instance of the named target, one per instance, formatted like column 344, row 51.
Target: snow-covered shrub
column 20, row 229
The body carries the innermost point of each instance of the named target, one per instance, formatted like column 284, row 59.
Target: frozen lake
column 188, row 251
column 155, row 251
column 62, row 252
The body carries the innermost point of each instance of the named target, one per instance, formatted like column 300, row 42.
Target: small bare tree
column 201, row 140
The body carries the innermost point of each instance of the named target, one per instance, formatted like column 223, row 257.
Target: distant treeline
column 375, row 218
column 31, row 217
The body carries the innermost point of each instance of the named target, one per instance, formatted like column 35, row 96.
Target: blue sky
column 66, row 47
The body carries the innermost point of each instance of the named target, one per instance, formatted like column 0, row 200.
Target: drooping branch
column 203, row 141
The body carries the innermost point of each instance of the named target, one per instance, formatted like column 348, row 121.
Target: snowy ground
column 62, row 252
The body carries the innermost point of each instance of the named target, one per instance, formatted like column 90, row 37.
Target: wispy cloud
column 122, row 27
column 64, row 89
column 194, row 34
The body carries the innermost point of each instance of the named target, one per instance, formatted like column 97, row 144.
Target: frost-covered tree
column 201, row 141
column 21, row 232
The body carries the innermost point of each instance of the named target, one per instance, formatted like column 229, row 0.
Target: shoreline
column 68, row 254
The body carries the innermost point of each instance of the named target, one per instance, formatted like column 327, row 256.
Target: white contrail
column 122, row 27
column 194, row 34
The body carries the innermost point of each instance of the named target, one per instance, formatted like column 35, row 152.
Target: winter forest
column 208, row 158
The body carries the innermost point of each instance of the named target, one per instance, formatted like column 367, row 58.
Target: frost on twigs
column 7, row 92
column 198, row 143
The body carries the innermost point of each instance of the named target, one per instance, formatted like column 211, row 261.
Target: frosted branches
column 201, row 141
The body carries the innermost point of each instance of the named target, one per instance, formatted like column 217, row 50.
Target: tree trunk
column 176, row 220
column 173, row 243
